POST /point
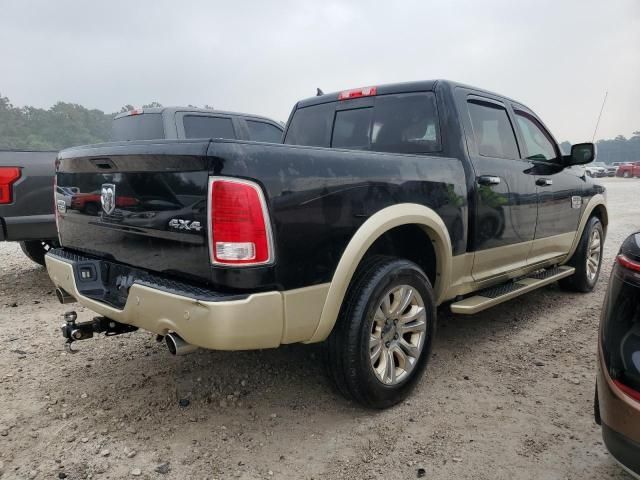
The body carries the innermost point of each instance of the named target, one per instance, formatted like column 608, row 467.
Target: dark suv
column 173, row 123
column 617, row 406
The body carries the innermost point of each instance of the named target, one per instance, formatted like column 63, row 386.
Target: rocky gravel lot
column 508, row 395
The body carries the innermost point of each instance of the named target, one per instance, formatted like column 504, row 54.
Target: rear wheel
column 381, row 343
column 586, row 259
column 37, row 249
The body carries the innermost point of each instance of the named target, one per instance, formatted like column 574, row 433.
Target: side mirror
column 581, row 153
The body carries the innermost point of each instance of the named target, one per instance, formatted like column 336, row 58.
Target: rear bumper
column 203, row 318
column 32, row 227
column 620, row 421
column 626, row 452
column 253, row 322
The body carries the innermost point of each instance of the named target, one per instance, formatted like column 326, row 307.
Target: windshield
column 146, row 126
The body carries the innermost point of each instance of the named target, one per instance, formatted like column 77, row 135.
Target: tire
column 585, row 278
column 348, row 348
column 37, row 249
column 596, row 407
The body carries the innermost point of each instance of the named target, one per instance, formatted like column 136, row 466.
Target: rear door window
column 406, row 123
column 263, row 132
column 492, row 130
column 201, row 126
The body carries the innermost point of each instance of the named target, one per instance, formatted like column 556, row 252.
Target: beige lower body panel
column 500, row 264
column 543, row 249
column 262, row 320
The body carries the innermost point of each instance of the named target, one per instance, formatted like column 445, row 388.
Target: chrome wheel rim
column 593, row 255
column 397, row 335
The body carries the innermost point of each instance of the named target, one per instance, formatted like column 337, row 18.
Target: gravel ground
column 508, row 395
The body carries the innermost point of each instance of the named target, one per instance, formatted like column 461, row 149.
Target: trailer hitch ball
column 73, row 331
column 70, row 330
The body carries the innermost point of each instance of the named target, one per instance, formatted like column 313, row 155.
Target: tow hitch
column 74, row 332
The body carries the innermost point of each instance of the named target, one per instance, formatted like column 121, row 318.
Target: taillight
column 627, row 390
column 239, row 228
column 8, row 176
column 357, row 93
column 627, row 263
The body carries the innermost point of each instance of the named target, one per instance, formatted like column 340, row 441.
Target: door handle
column 489, row 180
column 544, row 182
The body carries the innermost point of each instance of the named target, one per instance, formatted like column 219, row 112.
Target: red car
column 89, row 203
column 629, row 170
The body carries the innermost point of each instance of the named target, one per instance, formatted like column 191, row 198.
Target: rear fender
column 596, row 202
column 367, row 234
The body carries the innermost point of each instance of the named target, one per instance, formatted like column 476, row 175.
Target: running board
column 496, row 295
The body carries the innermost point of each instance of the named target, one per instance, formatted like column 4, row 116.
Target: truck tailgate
column 138, row 203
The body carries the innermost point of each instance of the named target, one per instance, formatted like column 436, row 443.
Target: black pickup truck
column 382, row 204
column 26, row 205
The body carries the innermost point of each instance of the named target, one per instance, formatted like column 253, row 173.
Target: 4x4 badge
column 188, row 225
column 108, row 198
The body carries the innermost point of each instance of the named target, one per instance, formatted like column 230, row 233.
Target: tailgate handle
column 103, row 163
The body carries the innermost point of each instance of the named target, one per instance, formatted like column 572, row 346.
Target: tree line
column 68, row 124
column 61, row 126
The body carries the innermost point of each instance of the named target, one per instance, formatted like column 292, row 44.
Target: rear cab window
column 395, row 123
column 203, row 126
column 145, row 126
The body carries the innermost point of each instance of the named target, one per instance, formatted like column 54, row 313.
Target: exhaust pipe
column 64, row 297
column 177, row 346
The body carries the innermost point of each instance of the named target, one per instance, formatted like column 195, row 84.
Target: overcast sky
column 557, row 57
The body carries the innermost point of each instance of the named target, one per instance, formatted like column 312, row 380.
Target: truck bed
column 316, row 197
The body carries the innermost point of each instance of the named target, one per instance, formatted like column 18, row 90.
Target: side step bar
column 496, row 295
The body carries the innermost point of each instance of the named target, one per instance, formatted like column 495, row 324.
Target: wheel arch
column 376, row 226
column 597, row 206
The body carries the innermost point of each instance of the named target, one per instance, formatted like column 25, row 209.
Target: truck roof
column 404, row 87
column 174, row 109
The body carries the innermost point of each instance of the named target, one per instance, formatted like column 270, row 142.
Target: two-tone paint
column 328, row 208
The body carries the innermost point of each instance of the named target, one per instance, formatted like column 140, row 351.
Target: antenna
column 599, row 116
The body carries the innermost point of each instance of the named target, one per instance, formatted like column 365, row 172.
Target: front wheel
column 37, row 249
column 382, row 340
column 586, row 259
